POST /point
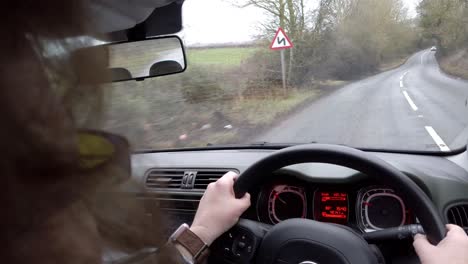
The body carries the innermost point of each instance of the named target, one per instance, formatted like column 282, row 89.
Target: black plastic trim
column 281, row 146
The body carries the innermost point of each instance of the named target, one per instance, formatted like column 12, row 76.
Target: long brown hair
column 51, row 212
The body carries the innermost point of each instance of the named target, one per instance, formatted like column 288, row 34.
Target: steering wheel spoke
column 240, row 243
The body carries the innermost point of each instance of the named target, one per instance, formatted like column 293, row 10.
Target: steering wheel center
column 308, row 241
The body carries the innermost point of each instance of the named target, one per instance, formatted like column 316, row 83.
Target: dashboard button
column 240, row 245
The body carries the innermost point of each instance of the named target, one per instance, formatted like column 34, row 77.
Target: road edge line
column 437, row 139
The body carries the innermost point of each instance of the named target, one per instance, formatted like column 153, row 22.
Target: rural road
column 412, row 107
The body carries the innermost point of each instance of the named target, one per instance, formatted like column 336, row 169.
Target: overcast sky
column 218, row 21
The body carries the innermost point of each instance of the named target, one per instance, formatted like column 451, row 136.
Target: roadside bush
column 347, row 60
column 456, row 64
column 200, row 85
column 263, row 74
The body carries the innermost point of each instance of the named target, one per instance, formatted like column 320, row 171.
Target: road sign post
column 283, row 70
column 281, row 42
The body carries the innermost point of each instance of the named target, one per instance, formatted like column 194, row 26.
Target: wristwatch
column 197, row 249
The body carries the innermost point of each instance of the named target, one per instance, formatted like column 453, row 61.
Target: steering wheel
column 308, row 241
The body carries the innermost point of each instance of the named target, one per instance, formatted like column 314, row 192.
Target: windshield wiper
column 266, row 143
column 211, row 146
column 260, row 144
column 253, row 144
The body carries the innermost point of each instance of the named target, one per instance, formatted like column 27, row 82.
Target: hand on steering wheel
column 452, row 249
column 219, row 210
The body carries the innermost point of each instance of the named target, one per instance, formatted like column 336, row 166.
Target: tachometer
column 285, row 202
column 380, row 208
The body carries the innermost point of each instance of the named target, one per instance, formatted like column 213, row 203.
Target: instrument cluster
column 368, row 208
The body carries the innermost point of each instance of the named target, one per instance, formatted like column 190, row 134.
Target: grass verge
column 249, row 117
column 264, row 111
column 227, row 57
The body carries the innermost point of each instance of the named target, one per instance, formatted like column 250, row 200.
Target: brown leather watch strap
column 194, row 245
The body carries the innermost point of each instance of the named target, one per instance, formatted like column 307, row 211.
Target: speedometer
column 380, row 208
column 285, row 202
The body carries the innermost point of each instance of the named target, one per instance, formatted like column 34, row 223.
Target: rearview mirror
column 137, row 60
column 147, row 58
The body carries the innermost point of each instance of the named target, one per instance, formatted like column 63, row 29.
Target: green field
column 229, row 57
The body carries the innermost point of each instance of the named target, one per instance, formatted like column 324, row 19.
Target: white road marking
column 440, row 143
column 410, row 102
column 401, row 79
column 422, row 57
column 420, row 116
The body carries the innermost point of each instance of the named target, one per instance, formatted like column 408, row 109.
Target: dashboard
column 444, row 179
column 322, row 192
column 363, row 205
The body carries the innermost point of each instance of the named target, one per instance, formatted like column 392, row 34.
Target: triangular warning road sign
column 281, row 41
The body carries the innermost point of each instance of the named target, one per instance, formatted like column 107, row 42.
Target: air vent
column 458, row 215
column 165, row 178
column 205, row 177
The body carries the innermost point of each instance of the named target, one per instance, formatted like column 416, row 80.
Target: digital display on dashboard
column 331, row 207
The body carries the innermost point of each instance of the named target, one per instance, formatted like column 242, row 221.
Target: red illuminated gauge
column 331, row 206
column 380, row 208
column 285, row 202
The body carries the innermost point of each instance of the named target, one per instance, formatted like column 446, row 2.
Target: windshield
column 379, row 74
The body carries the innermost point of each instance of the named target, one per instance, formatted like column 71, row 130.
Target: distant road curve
column 412, row 107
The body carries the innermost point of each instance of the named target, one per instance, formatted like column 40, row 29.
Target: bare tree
column 290, row 15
